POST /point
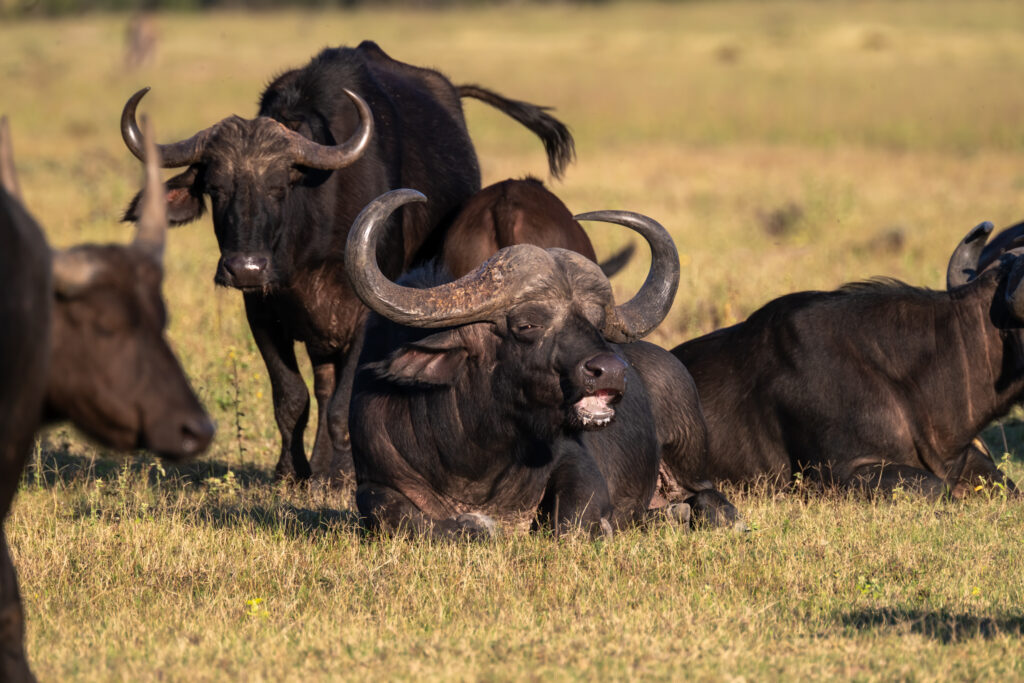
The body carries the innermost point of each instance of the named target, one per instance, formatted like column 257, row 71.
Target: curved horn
column 963, row 264
column 8, row 176
column 183, row 153
column 471, row 298
column 332, row 157
column 1007, row 239
column 641, row 314
column 151, row 232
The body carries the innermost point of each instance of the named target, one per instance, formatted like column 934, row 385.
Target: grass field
column 786, row 145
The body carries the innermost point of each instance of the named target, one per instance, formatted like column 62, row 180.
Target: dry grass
column 786, row 145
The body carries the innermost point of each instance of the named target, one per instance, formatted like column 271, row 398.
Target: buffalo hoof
column 606, row 529
column 477, row 525
column 678, row 514
column 711, row 509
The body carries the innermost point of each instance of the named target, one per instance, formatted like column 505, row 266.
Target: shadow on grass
column 1006, row 436
column 941, row 625
column 225, row 495
column 287, row 519
column 60, row 466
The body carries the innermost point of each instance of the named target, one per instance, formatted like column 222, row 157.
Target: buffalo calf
column 512, row 212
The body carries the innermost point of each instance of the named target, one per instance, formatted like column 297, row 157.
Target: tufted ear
column 437, row 360
column 184, row 199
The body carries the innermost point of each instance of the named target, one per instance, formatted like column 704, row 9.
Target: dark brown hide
column 873, row 386
column 81, row 338
column 507, row 213
column 113, row 373
column 25, row 300
column 522, row 407
column 281, row 226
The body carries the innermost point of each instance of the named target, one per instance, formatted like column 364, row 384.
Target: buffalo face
column 553, row 350
column 248, row 168
column 112, row 371
column 537, row 323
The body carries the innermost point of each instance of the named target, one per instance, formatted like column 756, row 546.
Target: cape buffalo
column 513, row 212
column 284, row 193
column 873, row 386
column 533, row 401
column 81, row 338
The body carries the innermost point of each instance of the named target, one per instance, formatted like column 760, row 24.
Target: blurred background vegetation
column 58, row 7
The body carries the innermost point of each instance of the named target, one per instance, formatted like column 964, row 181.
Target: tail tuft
column 558, row 141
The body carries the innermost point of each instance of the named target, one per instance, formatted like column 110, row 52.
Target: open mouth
column 595, row 410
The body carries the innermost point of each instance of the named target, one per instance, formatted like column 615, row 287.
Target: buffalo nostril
column 244, row 270
column 196, row 433
column 246, row 264
column 255, row 263
column 604, row 364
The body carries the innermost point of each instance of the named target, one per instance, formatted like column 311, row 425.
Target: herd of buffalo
column 470, row 361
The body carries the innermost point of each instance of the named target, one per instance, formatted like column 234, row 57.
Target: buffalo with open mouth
column 530, row 400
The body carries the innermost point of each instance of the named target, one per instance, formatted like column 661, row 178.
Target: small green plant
column 95, row 496
column 255, row 608
column 869, row 587
column 226, row 485
column 994, row 489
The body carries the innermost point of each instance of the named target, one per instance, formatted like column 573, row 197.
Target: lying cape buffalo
column 81, row 339
column 875, row 385
column 284, row 193
column 532, row 402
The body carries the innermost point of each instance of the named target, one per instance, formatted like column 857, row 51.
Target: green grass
column 892, row 128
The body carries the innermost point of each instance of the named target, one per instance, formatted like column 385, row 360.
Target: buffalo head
column 540, row 324
column 248, row 167
column 112, row 371
column 972, row 258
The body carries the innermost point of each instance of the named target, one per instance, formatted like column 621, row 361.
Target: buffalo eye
column 527, row 332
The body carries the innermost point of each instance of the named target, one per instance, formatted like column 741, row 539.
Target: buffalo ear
column 184, row 199
column 437, row 360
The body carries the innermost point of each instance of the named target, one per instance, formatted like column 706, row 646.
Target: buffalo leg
column 324, row 383
column 339, row 409
column 291, row 399
column 978, row 469
column 707, row 506
column 577, row 497
column 14, row 666
column 384, row 509
column 335, row 464
column 711, row 508
column 884, row 478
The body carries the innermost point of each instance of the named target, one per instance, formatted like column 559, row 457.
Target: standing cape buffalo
column 874, row 385
column 284, row 194
column 81, row 338
column 531, row 402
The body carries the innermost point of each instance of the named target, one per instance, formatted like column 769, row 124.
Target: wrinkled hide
column 874, row 386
